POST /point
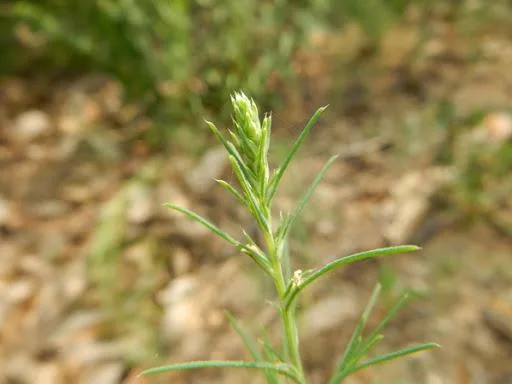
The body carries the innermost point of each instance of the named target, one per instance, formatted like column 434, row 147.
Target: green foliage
column 121, row 285
column 186, row 56
column 247, row 147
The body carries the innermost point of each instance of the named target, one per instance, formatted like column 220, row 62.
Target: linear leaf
column 288, row 222
column 231, row 149
column 201, row 220
column 252, row 347
column 352, row 352
column 270, row 352
column 379, row 252
column 400, row 303
column 280, row 368
column 392, row 356
column 228, row 187
column 296, row 145
column 251, row 197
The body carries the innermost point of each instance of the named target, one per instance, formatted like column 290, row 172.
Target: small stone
column 89, row 353
column 19, row 369
column 181, row 261
column 327, row 314
column 141, row 206
column 50, row 209
column 74, row 281
column 49, row 373
column 211, row 166
column 76, row 325
column 110, row 373
column 178, row 289
column 183, row 309
column 19, row 291
column 30, row 125
column 5, row 211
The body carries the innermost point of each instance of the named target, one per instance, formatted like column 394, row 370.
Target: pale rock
column 178, row 289
column 141, row 207
column 76, row 324
column 19, row 369
column 183, row 309
column 5, row 211
column 495, row 128
column 241, row 293
column 211, row 166
column 19, row 291
column 327, row 314
column 49, row 373
column 50, row 209
column 110, row 373
column 74, row 281
column 30, row 125
column 409, row 201
column 182, row 320
column 89, row 353
column 10, row 260
column 181, row 261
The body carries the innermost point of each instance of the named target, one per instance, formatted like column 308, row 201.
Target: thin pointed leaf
column 288, row 223
column 252, row 347
column 296, row 145
column 379, row 252
column 251, row 198
column 400, row 303
column 231, row 149
column 201, row 220
column 280, row 368
column 259, row 258
column 270, row 352
column 222, row 139
column 392, row 356
column 351, row 354
column 371, row 303
column 254, row 251
column 228, row 187
column 370, row 344
column 347, row 358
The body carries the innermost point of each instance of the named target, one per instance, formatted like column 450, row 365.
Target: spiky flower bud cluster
column 251, row 138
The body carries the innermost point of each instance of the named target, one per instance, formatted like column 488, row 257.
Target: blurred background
column 102, row 108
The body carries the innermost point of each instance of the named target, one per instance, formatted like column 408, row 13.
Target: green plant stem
column 287, row 313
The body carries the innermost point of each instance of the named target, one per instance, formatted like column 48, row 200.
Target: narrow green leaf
column 231, row 150
column 296, row 145
column 352, row 352
column 288, row 222
column 370, row 344
column 271, row 353
column 194, row 216
column 392, row 356
column 251, row 197
column 228, row 187
column 349, row 354
column 254, row 252
column 252, row 347
column 259, row 258
column 379, row 252
column 371, row 303
column 280, row 368
column 399, row 304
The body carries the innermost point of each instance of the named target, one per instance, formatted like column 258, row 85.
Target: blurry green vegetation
column 182, row 58
column 187, row 55
column 126, row 271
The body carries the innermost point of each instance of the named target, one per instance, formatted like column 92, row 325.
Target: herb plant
column 247, row 146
